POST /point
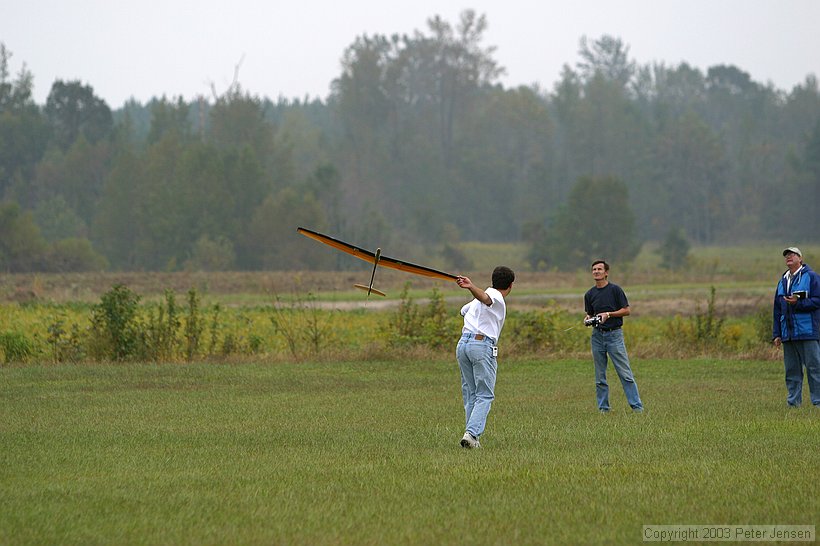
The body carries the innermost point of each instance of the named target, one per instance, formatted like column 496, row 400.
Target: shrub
column 193, row 325
column 573, row 241
column 212, row 255
column 406, row 324
column 74, row 254
column 16, row 347
column 436, row 328
column 707, row 325
column 731, row 335
column 302, row 324
column 213, row 329
column 674, row 250
column 536, row 330
column 432, row 327
column 704, row 329
column 456, row 258
column 763, row 324
column 159, row 334
column 115, row 329
column 66, row 345
column 229, row 344
column 255, row 343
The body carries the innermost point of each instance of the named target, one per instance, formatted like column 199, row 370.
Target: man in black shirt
column 608, row 303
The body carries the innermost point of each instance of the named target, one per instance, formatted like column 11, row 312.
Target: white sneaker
column 469, row 441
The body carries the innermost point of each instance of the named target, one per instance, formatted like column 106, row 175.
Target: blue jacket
column 800, row 321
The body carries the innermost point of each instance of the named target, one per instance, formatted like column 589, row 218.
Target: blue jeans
column 612, row 344
column 478, row 371
column 796, row 356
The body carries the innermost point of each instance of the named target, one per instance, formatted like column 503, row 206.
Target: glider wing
column 370, row 257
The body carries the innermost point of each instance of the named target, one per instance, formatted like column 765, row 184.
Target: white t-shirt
column 485, row 319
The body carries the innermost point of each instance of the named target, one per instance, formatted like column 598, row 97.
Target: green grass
column 760, row 262
column 367, row 453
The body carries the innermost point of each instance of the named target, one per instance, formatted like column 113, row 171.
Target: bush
column 22, row 247
column 674, row 251
column 16, row 347
column 302, row 324
column 213, row 329
column 212, row 255
column 763, row 324
column 158, row 336
column 193, row 326
column 538, row 330
column 436, row 329
column 704, row 329
column 74, row 254
column 433, row 327
column 115, row 329
column 405, row 325
column 707, row 325
column 456, row 258
column 574, row 240
column 66, row 345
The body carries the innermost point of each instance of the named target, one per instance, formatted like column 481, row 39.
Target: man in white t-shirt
column 477, row 350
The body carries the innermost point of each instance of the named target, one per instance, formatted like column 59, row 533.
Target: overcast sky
column 150, row 48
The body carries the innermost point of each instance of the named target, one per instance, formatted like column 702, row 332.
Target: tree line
column 417, row 144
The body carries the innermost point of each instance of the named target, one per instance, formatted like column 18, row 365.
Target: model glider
column 376, row 259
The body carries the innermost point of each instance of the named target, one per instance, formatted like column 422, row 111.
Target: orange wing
column 370, row 257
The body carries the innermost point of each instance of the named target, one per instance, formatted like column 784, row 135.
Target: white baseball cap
column 793, row 249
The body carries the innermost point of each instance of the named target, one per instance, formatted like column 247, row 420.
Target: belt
column 607, row 329
column 479, row 337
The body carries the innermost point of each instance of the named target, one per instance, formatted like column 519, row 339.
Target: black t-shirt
column 607, row 299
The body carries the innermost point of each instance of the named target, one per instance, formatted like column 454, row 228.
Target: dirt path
column 644, row 303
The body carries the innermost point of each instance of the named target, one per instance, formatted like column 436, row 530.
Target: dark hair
column 503, row 277
column 596, row 262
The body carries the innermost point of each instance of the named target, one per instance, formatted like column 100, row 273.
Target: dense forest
column 417, row 144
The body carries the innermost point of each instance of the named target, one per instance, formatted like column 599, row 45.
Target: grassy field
column 367, row 453
column 537, row 326
column 755, row 267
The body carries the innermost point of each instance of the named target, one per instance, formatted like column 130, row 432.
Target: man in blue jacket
column 796, row 326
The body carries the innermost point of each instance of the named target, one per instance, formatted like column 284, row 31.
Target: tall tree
column 22, row 247
column 57, row 220
column 606, row 57
column 504, row 161
column 23, row 129
column 596, row 222
column 76, row 174
column 602, row 129
column 120, row 228
column 73, row 109
column 404, row 102
column 690, row 179
column 366, row 115
column 238, row 119
column 676, row 91
column 161, row 218
column 811, row 189
column 460, row 66
column 801, row 109
column 271, row 241
column 169, row 117
column 565, row 104
column 325, row 185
